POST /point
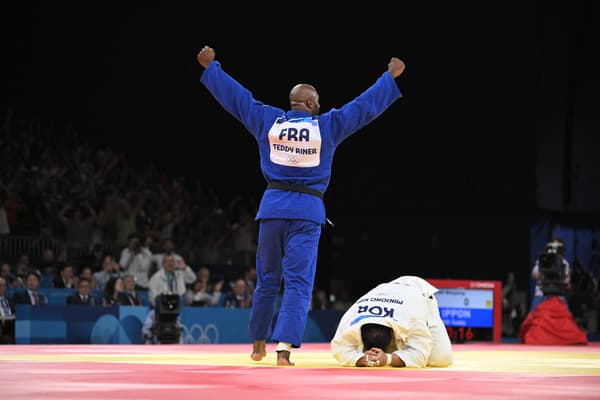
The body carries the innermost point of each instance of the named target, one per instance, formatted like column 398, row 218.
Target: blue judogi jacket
column 334, row 126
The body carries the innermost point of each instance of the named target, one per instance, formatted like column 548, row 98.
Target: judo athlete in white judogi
column 395, row 324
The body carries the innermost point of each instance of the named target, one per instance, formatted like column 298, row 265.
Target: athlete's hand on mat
column 374, row 357
column 396, row 67
column 206, row 56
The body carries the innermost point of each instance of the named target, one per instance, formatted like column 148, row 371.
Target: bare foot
column 259, row 350
column 283, row 358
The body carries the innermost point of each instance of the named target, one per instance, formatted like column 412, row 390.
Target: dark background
column 498, row 123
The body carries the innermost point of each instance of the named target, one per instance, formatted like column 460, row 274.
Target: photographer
column 551, row 272
column 166, row 284
column 136, row 260
column 550, row 322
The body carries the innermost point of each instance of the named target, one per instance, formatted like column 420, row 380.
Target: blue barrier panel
column 40, row 324
column 60, row 324
column 82, row 321
column 131, row 319
column 215, row 325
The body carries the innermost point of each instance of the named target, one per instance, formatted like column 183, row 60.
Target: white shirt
column 159, row 284
column 137, row 264
column 403, row 305
column 189, row 274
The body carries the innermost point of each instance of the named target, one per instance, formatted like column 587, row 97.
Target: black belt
column 294, row 188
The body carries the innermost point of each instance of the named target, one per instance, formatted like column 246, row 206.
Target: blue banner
column 74, row 324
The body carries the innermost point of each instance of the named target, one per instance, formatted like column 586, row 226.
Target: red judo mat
column 480, row 371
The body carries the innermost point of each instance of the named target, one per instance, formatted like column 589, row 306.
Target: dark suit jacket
column 22, row 297
column 76, row 299
column 124, row 299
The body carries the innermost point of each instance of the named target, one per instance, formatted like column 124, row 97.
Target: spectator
column 110, row 269
column 168, row 247
column 30, row 295
column 129, row 296
column 580, row 296
column 77, row 225
column 7, row 316
column 136, row 260
column 511, row 310
column 48, row 264
column 197, row 296
column 244, row 232
column 205, row 276
column 86, row 272
column 4, row 226
column 238, row 297
column 112, row 291
column 82, row 297
column 167, row 280
column 551, row 273
column 96, row 256
column 250, row 278
column 66, row 278
column 7, row 274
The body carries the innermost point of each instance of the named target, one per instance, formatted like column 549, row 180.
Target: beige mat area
column 495, row 359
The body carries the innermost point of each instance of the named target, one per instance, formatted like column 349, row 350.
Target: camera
column 551, row 266
column 166, row 328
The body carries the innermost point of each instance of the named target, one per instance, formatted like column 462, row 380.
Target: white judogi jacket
column 406, row 305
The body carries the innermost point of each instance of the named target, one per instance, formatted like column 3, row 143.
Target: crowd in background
column 78, row 203
column 72, row 206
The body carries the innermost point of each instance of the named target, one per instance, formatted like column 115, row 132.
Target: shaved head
column 304, row 97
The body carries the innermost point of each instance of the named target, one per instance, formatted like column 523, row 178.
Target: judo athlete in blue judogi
column 296, row 150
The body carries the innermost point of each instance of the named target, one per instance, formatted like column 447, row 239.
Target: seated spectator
column 112, row 290
column 7, row 316
column 205, row 276
column 197, row 296
column 65, row 279
column 30, row 295
column 110, row 269
column 21, row 275
column 239, row 296
column 7, row 274
column 82, row 297
column 86, row 272
column 129, row 296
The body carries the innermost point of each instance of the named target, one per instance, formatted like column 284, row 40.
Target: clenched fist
column 206, row 56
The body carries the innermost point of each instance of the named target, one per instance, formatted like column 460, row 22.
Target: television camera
column 552, row 269
column 166, row 328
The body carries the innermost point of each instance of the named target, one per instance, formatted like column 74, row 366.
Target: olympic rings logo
column 197, row 334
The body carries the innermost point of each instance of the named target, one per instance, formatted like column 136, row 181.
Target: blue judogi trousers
column 287, row 249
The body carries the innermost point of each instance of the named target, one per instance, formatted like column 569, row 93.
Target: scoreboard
column 470, row 309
